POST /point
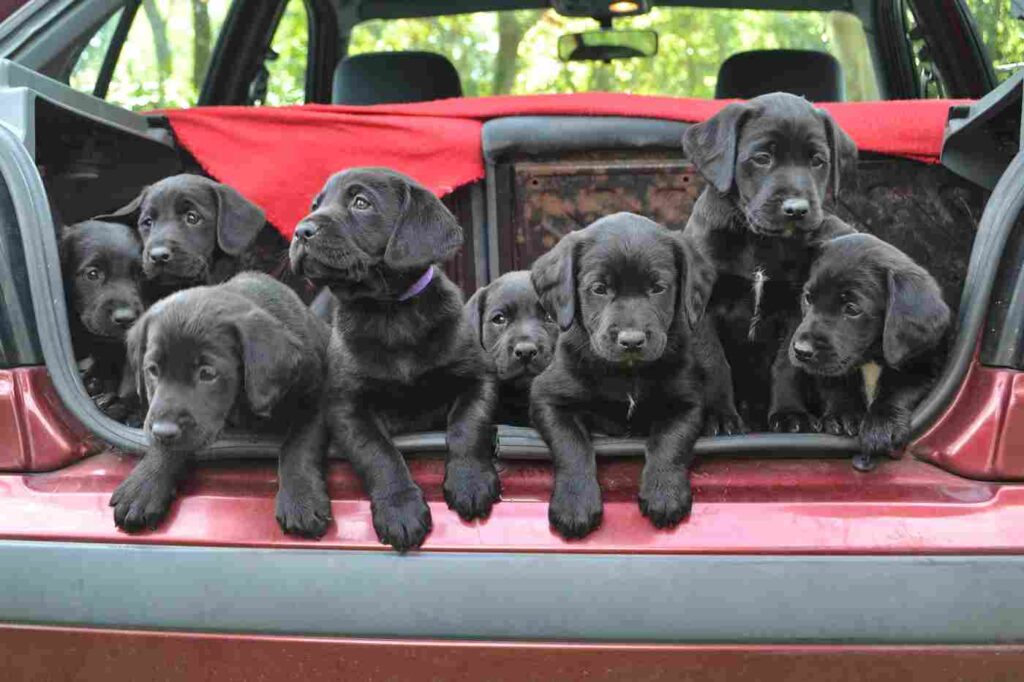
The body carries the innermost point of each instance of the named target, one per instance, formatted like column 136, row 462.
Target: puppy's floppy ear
column 135, row 344
column 696, row 283
column 711, row 145
column 474, row 310
column 916, row 317
column 271, row 357
column 426, row 231
column 238, row 220
column 127, row 214
column 843, row 151
column 553, row 276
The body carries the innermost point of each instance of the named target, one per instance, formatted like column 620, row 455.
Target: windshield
column 500, row 53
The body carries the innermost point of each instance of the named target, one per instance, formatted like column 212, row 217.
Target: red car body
column 792, row 568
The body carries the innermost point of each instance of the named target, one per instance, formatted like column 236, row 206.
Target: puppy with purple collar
column 403, row 356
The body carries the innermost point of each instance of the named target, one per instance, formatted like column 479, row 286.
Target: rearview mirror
column 607, row 45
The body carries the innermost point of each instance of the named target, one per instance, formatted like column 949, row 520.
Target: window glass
column 90, row 60
column 165, row 56
column 286, row 83
column 515, row 52
column 1002, row 34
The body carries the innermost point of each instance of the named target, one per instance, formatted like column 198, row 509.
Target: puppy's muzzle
column 165, row 432
column 306, row 230
column 525, row 352
column 631, row 340
column 795, row 209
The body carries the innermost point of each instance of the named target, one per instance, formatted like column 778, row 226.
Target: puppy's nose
column 124, row 317
column 631, row 339
column 305, row 230
column 803, row 349
column 165, row 431
column 160, row 254
column 525, row 351
column 795, row 208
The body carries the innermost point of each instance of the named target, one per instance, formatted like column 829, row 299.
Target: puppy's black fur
column 101, row 264
column 249, row 343
column 627, row 295
column 193, row 231
column 867, row 303
column 399, row 361
column 519, row 337
column 770, row 164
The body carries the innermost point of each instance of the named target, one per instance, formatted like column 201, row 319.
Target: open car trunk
column 66, row 157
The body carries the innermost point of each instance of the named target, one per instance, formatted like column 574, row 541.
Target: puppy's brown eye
column 360, row 203
column 153, row 371
column 499, row 319
column 207, row 374
column 851, row 310
column 817, row 161
column 146, row 223
column 805, row 299
column 548, row 318
column 192, row 218
column 315, row 205
column 657, row 288
column 762, row 159
column 599, row 289
column 93, row 274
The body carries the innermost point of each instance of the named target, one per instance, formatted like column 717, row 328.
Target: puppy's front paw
column 303, row 509
column 142, row 501
column 111, row 405
column 881, row 435
column 723, row 424
column 793, row 421
column 665, row 497
column 471, row 488
column 842, row 423
column 402, row 519
column 576, row 508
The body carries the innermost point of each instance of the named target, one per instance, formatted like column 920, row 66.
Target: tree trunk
column 200, row 42
column 510, row 34
column 853, row 54
column 160, row 43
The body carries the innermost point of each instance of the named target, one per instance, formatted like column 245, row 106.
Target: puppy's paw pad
column 576, row 511
column 471, row 489
column 842, row 424
column 723, row 424
column 402, row 519
column 666, row 499
column 306, row 513
column 141, row 504
column 793, row 422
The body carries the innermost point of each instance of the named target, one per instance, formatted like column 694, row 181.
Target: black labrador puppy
column 403, row 356
column 628, row 296
column 872, row 333
column 249, row 343
column 769, row 163
column 101, row 264
column 193, row 231
column 519, row 337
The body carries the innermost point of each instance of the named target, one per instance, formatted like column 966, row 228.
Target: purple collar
column 419, row 285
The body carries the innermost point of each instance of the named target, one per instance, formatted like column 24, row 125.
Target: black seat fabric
column 394, row 78
column 814, row 75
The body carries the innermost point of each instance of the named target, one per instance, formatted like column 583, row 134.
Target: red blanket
column 280, row 157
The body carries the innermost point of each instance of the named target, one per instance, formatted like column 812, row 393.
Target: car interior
column 545, row 177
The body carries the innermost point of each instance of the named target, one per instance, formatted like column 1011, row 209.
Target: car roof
column 393, row 9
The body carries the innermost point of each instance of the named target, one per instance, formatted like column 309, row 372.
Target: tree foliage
column 165, row 58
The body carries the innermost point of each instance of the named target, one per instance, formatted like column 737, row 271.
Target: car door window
column 164, row 57
column 1002, row 34
column 288, row 59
